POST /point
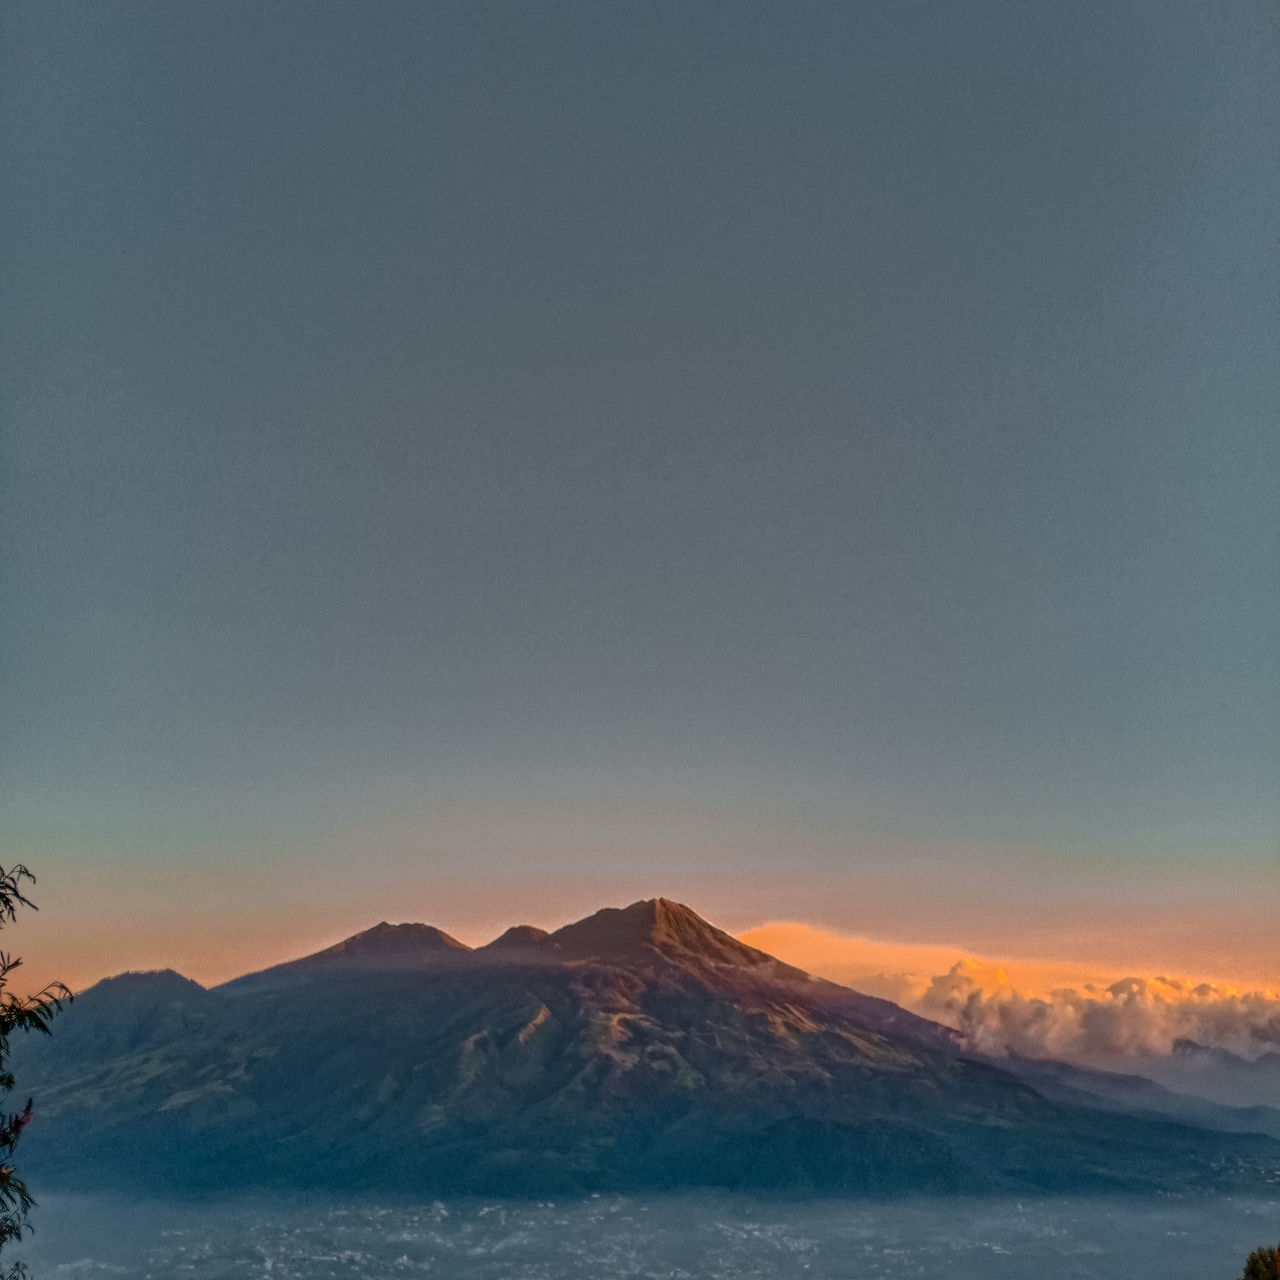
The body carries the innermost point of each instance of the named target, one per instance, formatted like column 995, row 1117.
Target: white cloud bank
column 1131, row 1018
column 1036, row 1009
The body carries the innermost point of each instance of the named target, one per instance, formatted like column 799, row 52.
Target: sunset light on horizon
column 640, row 638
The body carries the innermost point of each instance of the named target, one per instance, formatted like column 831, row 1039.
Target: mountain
column 1139, row 1095
column 658, row 929
column 386, row 944
column 124, row 1015
column 383, row 948
column 639, row 1048
column 1218, row 1074
column 524, row 940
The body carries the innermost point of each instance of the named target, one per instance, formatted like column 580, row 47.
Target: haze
column 713, row 1236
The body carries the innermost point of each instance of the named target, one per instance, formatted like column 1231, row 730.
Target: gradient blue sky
column 464, row 461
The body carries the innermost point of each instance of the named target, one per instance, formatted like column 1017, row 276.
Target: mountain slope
column 1218, row 1074
column 641, row 1047
column 1138, row 1095
column 383, row 948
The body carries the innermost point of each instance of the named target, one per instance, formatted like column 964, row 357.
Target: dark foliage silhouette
column 26, row 1013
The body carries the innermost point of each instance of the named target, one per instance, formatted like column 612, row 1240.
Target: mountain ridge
column 641, row 1047
column 646, row 931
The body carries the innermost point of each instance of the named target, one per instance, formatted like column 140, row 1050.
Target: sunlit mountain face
column 640, row 1047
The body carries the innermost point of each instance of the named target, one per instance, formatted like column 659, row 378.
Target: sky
column 480, row 462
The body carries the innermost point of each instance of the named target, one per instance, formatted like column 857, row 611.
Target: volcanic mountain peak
column 384, row 947
column 525, row 939
column 654, row 927
column 146, row 984
column 393, row 940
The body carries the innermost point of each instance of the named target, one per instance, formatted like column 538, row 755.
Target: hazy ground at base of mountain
column 701, row 1236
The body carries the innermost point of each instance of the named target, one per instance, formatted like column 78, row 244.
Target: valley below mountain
column 693, row 1235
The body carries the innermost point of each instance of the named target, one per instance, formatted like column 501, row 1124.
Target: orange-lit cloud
column 1034, row 1008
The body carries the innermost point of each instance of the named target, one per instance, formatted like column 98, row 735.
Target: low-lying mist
column 693, row 1237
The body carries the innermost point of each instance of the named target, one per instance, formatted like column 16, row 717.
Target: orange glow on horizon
column 897, row 970
column 883, row 966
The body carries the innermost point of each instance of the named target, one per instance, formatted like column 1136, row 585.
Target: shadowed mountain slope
column 1219, row 1074
column 641, row 1047
column 1138, row 1095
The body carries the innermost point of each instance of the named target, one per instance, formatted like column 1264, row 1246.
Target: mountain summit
column 524, row 940
column 384, row 947
column 656, row 928
column 387, row 940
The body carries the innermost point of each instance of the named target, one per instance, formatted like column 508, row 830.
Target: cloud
column 1129, row 1018
column 1037, row 1010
